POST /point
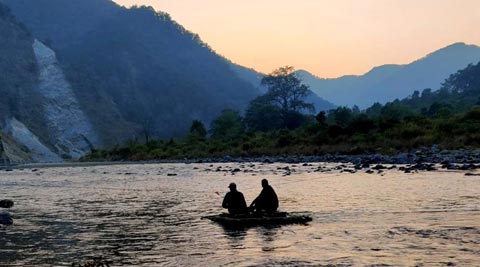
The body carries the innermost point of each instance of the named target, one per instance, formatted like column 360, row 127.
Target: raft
column 251, row 220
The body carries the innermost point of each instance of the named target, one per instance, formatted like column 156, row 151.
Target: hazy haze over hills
column 388, row 82
column 255, row 78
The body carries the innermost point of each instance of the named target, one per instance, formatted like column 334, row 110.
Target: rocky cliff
column 25, row 146
column 41, row 119
column 70, row 131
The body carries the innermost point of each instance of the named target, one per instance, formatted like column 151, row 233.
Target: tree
column 464, row 80
column 362, row 124
column 148, row 128
column 228, row 126
column 439, row 110
column 356, row 110
column 396, row 112
column 375, row 110
column 321, row 118
column 416, row 94
column 286, row 91
column 262, row 116
column 341, row 116
column 198, row 129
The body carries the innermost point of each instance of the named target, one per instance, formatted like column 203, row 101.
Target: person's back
column 234, row 201
column 270, row 199
column 267, row 201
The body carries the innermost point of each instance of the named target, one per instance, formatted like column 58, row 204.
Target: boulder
column 5, row 218
column 6, row 203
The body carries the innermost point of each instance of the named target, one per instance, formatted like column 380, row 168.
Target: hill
column 414, row 130
column 134, row 68
column 389, row 82
column 19, row 73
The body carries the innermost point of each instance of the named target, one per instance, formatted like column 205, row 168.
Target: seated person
column 234, row 201
column 267, row 201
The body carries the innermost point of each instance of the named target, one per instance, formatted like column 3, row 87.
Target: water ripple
column 137, row 215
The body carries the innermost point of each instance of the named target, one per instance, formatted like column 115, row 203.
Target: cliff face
column 12, row 152
column 41, row 119
column 70, row 131
column 18, row 97
column 33, row 148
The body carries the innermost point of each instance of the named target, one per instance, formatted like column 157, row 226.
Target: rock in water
column 5, row 218
column 6, row 203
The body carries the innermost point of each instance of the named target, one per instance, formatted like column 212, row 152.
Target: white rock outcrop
column 71, row 131
column 37, row 150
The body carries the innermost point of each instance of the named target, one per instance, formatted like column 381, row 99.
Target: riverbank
column 422, row 159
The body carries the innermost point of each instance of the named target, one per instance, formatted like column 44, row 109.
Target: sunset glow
column 328, row 38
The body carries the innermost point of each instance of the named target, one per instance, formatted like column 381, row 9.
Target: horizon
column 321, row 37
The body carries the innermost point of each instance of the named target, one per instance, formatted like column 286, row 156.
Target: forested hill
column 446, row 119
column 459, row 93
column 134, row 65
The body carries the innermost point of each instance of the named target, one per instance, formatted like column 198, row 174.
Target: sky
column 329, row 38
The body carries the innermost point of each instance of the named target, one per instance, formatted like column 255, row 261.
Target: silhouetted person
column 234, row 201
column 6, row 203
column 267, row 201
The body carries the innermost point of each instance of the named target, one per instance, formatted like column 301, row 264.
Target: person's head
column 264, row 183
column 232, row 186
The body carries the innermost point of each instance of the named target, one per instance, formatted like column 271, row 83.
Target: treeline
column 278, row 124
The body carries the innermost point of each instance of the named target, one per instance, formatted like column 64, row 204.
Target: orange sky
column 329, row 38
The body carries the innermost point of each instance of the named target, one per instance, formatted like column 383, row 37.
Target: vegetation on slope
column 449, row 118
column 134, row 70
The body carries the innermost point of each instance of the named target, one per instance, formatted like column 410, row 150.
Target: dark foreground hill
column 18, row 78
column 135, row 66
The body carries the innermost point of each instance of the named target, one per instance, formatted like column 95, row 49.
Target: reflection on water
column 138, row 215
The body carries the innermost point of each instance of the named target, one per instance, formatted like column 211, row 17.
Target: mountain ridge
column 390, row 81
column 142, row 70
column 137, row 74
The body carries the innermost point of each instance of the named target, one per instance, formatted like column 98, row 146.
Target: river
column 151, row 215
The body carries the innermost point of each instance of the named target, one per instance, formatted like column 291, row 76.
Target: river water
column 151, row 215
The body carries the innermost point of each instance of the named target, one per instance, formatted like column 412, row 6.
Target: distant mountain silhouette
column 389, row 82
